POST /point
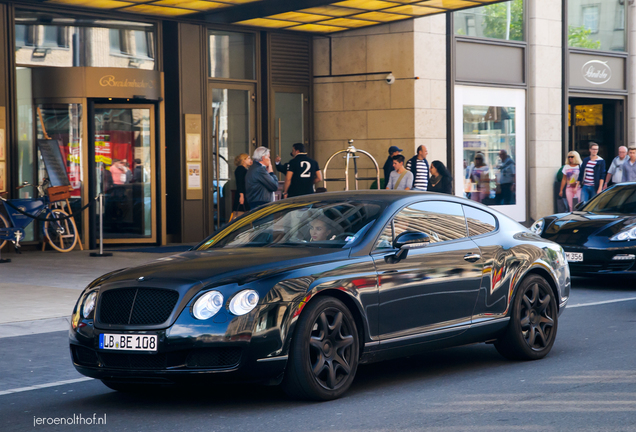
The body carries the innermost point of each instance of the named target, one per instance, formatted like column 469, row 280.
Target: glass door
column 233, row 126
column 124, row 148
column 291, row 121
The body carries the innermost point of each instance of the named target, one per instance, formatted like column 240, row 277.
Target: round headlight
column 537, row 227
column 89, row 304
column 244, row 302
column 207, row 305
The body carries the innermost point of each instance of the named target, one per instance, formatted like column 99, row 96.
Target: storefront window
column 232, row 55
column 496, row 21
column 596, row 25
column 490, row 148
column 489, row 154
column 68, row 42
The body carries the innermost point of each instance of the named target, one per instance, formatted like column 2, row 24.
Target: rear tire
column 3, row 224
column 533, row 324
column 324, row 352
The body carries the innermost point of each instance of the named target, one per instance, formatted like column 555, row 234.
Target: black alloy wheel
column 533, row 323
column 324, row 352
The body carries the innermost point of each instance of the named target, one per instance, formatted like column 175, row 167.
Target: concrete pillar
column 544, row 103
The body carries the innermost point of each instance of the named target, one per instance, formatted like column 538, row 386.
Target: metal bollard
column 101, row 252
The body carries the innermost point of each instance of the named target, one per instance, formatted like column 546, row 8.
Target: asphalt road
column 587, row 383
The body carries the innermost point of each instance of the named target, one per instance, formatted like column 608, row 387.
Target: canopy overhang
column 312, row 16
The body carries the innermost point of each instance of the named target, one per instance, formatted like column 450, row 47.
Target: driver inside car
column 323, row 229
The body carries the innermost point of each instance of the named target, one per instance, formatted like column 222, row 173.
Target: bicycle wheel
column 3, row 224
column 62, row 235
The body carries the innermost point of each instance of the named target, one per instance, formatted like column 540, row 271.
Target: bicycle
column 58, row 227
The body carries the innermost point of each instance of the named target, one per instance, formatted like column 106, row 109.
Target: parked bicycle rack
column 351, row 154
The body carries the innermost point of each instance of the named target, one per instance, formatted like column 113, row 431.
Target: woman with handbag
column 240, row 204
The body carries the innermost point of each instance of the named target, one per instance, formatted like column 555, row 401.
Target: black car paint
column 590, row 233
column 288, row 278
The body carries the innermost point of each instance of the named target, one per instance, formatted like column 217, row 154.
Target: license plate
column 128, row 342
column 574, row 256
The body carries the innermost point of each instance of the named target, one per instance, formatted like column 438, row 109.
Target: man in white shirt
column 615, row 171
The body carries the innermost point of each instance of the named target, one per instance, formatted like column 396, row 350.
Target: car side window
column 442, row 221
column 479, row 222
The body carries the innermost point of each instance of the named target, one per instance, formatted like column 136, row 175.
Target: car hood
column 220, row 264
column 577, row 227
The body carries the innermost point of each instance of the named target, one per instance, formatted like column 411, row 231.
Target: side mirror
column 406, row 241
column 411, row 240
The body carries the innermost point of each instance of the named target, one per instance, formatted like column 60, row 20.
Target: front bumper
column 602, row 260
column 248, row 348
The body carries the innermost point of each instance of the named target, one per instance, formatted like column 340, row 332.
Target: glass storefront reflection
column 123, row 162
column 63, row 41
column 63, row 123
column 596, row 25
column 497, row 21
column 489, row 154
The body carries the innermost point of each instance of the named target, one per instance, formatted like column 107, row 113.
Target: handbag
column 236, row 213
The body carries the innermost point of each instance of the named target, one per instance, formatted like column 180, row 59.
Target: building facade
column 151, row 103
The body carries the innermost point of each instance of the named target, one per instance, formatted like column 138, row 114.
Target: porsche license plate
column 128, row 342
column 574, row 256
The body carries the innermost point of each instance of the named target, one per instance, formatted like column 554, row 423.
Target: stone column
column 545, row 146
column 430, row 88
column 631, row 82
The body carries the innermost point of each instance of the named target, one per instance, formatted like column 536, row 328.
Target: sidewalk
column 39, row 289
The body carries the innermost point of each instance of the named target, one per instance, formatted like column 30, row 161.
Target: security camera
column 390, row 79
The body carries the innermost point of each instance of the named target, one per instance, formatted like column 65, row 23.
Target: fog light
column 624, row 257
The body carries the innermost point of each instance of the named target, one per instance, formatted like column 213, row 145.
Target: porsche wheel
column 533, row 324
column 324, row 353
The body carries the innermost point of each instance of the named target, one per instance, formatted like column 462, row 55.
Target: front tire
column 324, row 352
column 533, row 323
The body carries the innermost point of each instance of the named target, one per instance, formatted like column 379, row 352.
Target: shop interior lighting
column 336, row 16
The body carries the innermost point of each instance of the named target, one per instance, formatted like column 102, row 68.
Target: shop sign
column 111, row 81
column 596, row 72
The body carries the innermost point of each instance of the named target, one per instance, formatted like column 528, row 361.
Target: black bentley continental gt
column 599, row 237
column 301, row 291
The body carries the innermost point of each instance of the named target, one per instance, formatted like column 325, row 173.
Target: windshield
column 333, row 224
column 619, row 199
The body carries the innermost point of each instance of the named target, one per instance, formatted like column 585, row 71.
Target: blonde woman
column 242, row 162
column 570, row 176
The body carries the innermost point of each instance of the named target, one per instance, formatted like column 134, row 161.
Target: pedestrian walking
column 240, row 204
column 592, row 174
column 615, row 170
column 506, row 179
column 629, row 168
column 400, row 178
column 302, row 173
column 260, row 180
column 480, row 179
column 441, row 181
column 388, row 165
column 418, row 165
column 569, row 181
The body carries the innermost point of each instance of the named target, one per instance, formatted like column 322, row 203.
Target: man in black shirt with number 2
column 302, row 173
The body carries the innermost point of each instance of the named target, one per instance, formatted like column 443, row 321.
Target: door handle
column 472, row 257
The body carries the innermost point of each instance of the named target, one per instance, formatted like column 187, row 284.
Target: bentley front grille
column 137, row 306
